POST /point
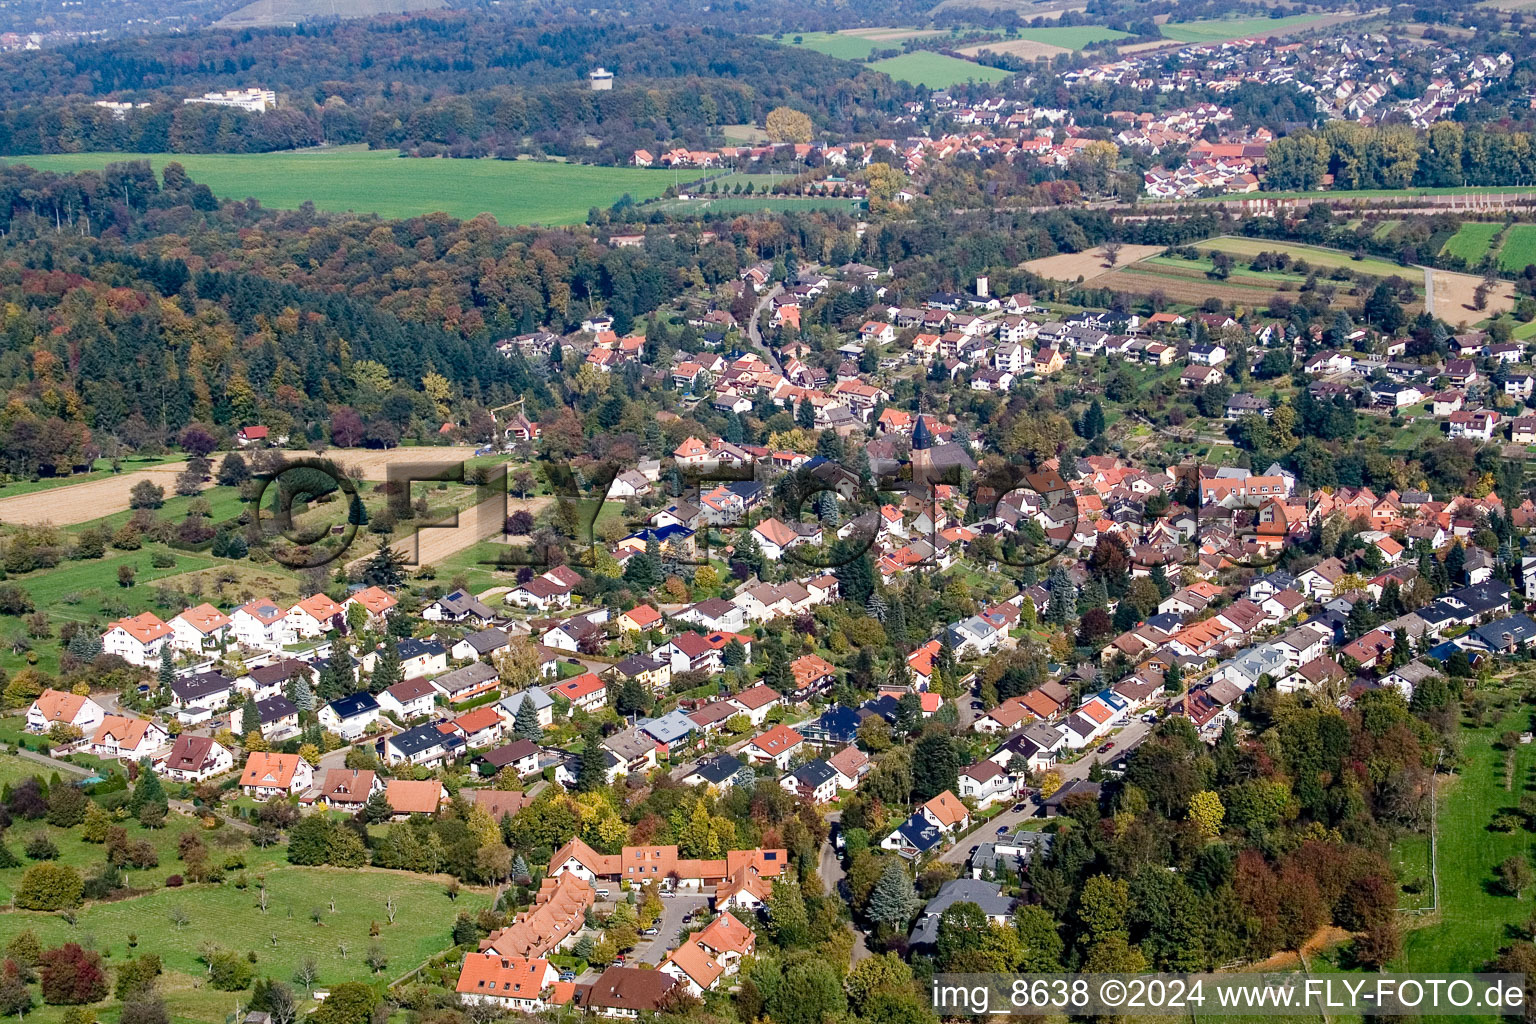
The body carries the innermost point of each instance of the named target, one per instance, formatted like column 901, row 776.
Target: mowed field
column 1046, row 42
column 1215, row 30
column 1453, row 291
column 937, row 70
column 1472, row 240
column 362, row 181
column 1142, row 271
column 1519, row 249
column 69, row 504
column 855, row 43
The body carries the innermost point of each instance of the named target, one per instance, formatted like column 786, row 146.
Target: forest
column 475, row 85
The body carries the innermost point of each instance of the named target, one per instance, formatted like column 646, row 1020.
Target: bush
column 41, row 847
column 174, row 882
column 72, row 976
column 49, row 887
column 229, row 972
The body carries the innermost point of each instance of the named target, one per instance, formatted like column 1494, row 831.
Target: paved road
column 755, row 336
column 1127, row 737
column 830, row 868
column 655, row 949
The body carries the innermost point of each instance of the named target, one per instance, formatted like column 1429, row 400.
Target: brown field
column 82, row 502
column 1089, row 264
column 1453, row 297
column 72, row 504
column 373, row 465
column 888, row 35
column 1024, row 49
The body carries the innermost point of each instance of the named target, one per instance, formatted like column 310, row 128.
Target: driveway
column 830, row 867
column 654, row 950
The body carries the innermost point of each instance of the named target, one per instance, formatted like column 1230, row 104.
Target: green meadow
column 1215, row 29
column 379, row 181
column 937, row 70
column 1472, row 240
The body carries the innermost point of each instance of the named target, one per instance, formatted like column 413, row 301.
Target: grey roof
column 629, row 744
column 487, row 640
column 203, row 684
column 472, row 674
column 539, row 698
column 669, row 728
column 986, row 895
column 461, row 602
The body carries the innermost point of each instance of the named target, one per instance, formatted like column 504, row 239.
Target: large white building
column 254, row 100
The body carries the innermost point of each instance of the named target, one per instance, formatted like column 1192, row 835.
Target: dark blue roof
column 920, row 833
column 837, row 724
column 354, row 704
column 424, row 737
column 410, row 647
column 718, row 769
column 662, row 534
column 815, row 773
column 1519, row 628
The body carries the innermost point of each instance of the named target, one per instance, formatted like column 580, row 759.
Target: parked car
column 1018, row 808
column 1106, row 748
column 604, row 893
column 568, row 976
column 1002, row 829
column 667, row 894
column 651, row 931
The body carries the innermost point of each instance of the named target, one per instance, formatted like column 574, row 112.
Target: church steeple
column 922, row 440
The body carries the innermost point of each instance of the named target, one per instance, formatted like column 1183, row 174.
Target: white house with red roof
column 755, row 702
column 585, row 691
column 53, row 707
column 199, row 629
column 313, row 616
column 516, row 983
column 137, row 639
column 776, row 747
column 262, row 623
column 376, row 601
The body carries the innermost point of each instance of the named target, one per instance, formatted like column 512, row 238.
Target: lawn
column 856, row 44
column 1476, row 917
column 1314, row 255
column 1519, row 249
column 513, row 191
column 1073, row 37
column 1215, row 29
column 283, row 936
column 937, row 70
column 1472, row 241
column 87, row 858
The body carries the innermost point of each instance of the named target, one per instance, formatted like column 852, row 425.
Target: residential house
column 349, row 717
column 60, row 707
column 128, row 739
column 776, row 747
column 428, row 746
column 200, row 629
column 196, row 759
column 137, row 639
column 270, row 775
column 409, row 698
